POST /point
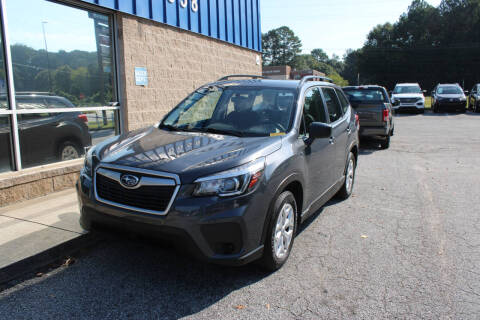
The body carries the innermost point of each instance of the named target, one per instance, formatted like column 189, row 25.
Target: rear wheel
column 347, row 188
column 68, row 151
column 281, row 232
column 435, row 108
column 385, row 144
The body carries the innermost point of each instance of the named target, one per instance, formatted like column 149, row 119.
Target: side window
column 333, row 105
column 343, row 101
column 313, row 109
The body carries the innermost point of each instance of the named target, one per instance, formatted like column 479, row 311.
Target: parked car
column 449, row 97
column 230, row 172
column 474, row 98
column 408, row 97
column 374, row 108
column 46, row 136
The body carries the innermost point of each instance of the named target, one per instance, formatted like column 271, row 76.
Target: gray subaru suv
column 230, row 172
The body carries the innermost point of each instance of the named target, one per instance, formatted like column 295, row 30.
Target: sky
column 332, row 25
column 25, row 19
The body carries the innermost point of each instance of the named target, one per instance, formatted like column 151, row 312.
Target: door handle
column 349, row 130
column 332, row 140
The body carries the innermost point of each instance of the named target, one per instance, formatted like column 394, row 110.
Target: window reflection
column 62, row 51
column 60, row 136
column 5, row 144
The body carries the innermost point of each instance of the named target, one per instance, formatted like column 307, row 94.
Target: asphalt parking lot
column 406, row 245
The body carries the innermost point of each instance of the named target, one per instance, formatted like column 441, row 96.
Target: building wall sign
column 234, row 21
column 141, row 76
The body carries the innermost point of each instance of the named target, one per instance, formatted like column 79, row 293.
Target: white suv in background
column 408, row 96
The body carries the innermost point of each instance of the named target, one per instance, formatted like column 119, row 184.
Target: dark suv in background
column 46, row 137
column 230, row 172
column 448, row 97
column 373, row 106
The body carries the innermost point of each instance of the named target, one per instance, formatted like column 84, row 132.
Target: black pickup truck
column 374, row 108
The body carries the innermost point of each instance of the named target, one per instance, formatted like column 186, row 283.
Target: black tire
column 385, row 144
column 435, row 108
column 476, row 107
column 68, row 150
column 270, row 260
column 346, row 190
column 463, row 110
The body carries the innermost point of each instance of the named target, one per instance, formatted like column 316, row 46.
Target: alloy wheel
column 284, row 229
column 350, row 176
column 69, row 153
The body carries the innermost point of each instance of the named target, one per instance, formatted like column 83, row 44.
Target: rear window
column 365, row 95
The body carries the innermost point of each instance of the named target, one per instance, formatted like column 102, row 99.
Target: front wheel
column 281, row 232
column 347, row 187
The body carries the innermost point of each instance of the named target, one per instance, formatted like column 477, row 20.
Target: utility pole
column 48, row 59
column 358, row 79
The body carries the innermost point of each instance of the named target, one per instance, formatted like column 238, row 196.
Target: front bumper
column 410, row 107
column 220, row 230
column 451, row 105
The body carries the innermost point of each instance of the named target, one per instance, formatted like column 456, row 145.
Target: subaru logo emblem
column 129, row 180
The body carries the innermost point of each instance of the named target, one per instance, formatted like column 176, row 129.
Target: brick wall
column 177, row 62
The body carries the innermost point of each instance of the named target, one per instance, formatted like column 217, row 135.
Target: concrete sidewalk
column 37, row 232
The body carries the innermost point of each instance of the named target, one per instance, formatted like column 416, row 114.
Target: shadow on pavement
column 125, row 278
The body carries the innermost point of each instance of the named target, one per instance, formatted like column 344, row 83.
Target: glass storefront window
column 62, row 58
column 61, row 51
column 5, row 144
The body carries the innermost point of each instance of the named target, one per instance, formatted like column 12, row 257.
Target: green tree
column 280, row 46
column 319, row 55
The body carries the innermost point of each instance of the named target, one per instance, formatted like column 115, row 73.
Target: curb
column 46, row 257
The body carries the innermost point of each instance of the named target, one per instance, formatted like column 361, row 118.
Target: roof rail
column 242, row 76
column 35, row 92
column 314, row 78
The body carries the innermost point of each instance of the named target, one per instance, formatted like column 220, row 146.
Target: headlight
column 87, row 165
column 231, row 182
column 463, row 99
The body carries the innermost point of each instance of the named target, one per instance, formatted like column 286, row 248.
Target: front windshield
column 449, row 90
column 407, row 89
column 235, row 110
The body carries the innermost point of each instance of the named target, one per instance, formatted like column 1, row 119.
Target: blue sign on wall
column 235, row 21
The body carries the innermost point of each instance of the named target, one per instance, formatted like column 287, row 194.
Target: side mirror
column 391, row 93
column 319, row 130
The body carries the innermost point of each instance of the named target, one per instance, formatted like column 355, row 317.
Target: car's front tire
column 347, row 188
column 281, row 232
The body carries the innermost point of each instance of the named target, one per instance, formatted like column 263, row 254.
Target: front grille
column 409, row 100
column 154, row 198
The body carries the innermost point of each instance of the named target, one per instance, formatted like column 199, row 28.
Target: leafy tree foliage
column 280, row 46
column 74, row 75
column 426, row 45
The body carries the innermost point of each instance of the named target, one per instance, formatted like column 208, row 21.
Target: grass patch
column 94, row 125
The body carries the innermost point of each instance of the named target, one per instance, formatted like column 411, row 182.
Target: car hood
column 407, row 95
column 188, row 154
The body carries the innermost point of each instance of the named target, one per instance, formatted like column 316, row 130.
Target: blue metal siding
column 235, row 21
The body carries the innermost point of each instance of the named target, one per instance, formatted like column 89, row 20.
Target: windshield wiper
column 222, row 131
column 171, row 128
